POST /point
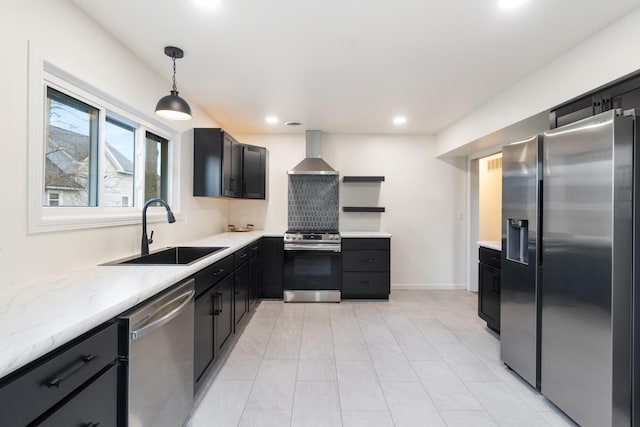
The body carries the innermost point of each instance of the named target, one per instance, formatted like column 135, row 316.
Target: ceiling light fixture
column 399, row 120
column 510, row 4
column 172, row 106
column 272, row 120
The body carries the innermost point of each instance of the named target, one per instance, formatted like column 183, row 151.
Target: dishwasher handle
column 161, row 317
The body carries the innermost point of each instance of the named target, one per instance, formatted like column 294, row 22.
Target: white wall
column 424, row 199
column 602, row 58
column 72, row 41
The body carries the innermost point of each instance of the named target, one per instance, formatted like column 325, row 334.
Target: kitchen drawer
column 211, row 275
column 490, row 257
column 242, row 255
column 254, row 248
column 365, row 261
column 365, row 285
column 47, row 381
column 365, row 244
column 95, row 405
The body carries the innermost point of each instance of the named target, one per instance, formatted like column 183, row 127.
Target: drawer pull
column 64, row 375
column 219, row 272
column 91, row 424
column 366, row 261
column 243, row 256
column 255, row 248
column 366, row 282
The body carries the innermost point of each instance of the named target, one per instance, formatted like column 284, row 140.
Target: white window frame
column 41, row 218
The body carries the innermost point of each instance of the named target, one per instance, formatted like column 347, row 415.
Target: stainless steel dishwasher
column 158, row 359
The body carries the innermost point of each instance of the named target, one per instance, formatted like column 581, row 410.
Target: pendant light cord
column 175, row 89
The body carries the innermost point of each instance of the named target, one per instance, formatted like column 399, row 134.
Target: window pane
column 119, row 165
column 156, row 172
column 71, row 162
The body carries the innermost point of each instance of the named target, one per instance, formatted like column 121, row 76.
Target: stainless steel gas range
column 312, row 266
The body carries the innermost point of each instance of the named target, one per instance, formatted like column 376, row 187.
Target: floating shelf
column 362, row 209
column 363, row 179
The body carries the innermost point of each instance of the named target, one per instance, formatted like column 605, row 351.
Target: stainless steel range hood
column 313, row 163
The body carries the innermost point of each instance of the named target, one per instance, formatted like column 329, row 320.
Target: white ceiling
column 349, row 66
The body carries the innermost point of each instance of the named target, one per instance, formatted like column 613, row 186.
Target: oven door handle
column 311, row 247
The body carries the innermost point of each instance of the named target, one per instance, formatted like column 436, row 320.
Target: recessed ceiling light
column 510, row 4
column 292, row 123
column 272, row 120
column 399, row 120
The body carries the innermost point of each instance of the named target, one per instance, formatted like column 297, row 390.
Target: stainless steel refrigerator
column 588, row 217
column 520, row 275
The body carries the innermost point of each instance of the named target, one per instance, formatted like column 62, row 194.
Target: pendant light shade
column 172, row 106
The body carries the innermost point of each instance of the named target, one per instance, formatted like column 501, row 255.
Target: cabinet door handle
column 215, row 312
column 68, row 372
column 219, row 272
column 92, row 424
column 219, row 302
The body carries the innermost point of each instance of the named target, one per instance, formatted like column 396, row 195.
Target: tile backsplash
column 313, row 202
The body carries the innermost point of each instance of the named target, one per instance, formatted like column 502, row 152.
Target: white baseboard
column 428, row 286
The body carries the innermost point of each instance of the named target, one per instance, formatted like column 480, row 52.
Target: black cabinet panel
column 231, row 167
column 203, row 336
column 241, row 292
column 254, row 171
column 95, row 405
column 365, row 285
column 223, row 312
column 489, row 287
column 365, row 261
column 212, row 274
column 48, row 380
column 255, row 274
column 349, row 244
column 272, row 262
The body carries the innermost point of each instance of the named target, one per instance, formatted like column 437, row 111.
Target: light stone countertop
column 491, row 244
column 41, row 315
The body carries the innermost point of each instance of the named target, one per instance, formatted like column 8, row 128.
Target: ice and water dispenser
column 517, row 240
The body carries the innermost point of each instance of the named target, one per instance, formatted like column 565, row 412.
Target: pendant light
column 172, row 106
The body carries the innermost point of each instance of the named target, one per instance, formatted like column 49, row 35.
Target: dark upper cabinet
column 222, row 167
column 231, row 167
column 254, row 161
column 623, row 93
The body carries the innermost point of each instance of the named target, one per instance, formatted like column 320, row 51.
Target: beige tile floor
column 423, row 358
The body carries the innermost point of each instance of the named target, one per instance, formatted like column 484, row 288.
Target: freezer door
column 519, row 308
column 587, row 265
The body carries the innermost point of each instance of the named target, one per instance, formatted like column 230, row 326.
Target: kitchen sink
column 177, row 255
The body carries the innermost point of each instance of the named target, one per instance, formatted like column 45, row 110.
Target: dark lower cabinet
column 255, row 273
column 203, row 336
column 92, row 406
column 241, row 292
column 223, row 313
column 366, row 268
column 272, row 266
column 489, row 287
column 52, row 383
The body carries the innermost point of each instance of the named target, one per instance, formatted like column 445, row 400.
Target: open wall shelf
column 363, row 179
column 362, row 209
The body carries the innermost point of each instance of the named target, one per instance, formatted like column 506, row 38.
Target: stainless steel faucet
column 146, row 240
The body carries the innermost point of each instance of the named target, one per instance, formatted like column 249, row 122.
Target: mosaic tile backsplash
column 313, row 202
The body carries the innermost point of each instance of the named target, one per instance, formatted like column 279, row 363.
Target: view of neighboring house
column 67, row 175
